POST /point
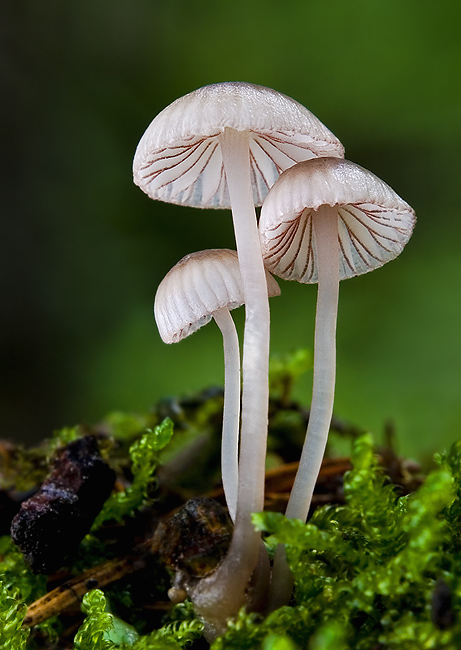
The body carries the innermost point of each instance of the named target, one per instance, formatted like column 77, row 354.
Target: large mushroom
column 223, row 146
column 202, row 286
column 325, row 220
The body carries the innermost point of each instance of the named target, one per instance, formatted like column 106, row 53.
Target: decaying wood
column 72, row 591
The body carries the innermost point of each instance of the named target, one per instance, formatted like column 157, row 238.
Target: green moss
column 95, row 631
column 12, row 612
column 144, row 456
column 370, row 567
column 380, row 570
column 102, row 631
column 16, row 574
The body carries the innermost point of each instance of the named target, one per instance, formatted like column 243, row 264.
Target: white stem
column 255, row 364
column 220, row 597
column 325, row 223
column 231, row 414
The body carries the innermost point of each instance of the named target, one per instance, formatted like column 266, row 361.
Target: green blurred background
column 83, row 249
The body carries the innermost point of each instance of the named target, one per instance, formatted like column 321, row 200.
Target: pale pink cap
column 198, row 285
column 178, row 159
column 374, row 223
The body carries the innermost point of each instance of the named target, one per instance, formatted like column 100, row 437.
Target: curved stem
column 255, row 363
column 325, row 223
column 231, row 414
column 220, row 596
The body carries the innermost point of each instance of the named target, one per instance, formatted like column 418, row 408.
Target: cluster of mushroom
column 323, row 218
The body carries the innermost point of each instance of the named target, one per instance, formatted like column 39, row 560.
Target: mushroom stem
column 255, row 364
column 220, row 596
column 325, row 224
column 231, row 414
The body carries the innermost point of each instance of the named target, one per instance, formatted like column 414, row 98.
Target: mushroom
column 202, row 286
column 223, row 146
column 325, row 220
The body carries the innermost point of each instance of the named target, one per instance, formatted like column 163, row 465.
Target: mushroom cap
column 178, row 159
column 198, row 285
column 374, row 223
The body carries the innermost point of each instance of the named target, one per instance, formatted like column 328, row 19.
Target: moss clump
column 144, row 455
column 378, row 566
column 368, row 573
column 12, row 612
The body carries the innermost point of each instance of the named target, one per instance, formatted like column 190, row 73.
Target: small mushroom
column 223, row 146
column 202, row 286
column 325, row 220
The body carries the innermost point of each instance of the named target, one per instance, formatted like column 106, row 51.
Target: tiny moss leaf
column 144, row 455
column 93, row 633
column 12, row 613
